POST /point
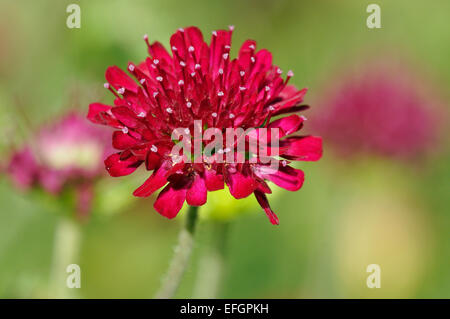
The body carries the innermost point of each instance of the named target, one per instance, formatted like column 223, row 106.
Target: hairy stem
column 211, row 267
column 180, row 260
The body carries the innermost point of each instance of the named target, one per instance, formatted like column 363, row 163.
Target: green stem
column 65, row 252
column 212, row 263
column 180, row 260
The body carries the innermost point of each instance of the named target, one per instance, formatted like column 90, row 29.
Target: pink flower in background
column 68, row 153
column 200, row 82
column 378, row 108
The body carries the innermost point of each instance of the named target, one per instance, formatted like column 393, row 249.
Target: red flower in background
column 378, row 108
column 200, row 82
column 68, row 153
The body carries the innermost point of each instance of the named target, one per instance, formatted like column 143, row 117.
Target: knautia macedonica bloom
column 171, row 110
column 67, row 153
column 380, row 107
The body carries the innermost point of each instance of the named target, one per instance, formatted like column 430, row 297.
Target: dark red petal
column 288, row 125
column 196, row 194
column 119, row 79
column 157, row 180
column 125, row 116
column 99, row 114
column 286, row 177
column 262, row 200
column 170, row 200
column 122, row 141
column 302, row 148
column 240, row 185
column 121, row 167
column 213, row 180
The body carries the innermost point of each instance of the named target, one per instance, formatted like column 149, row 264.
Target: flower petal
column 197, row 193
column 302, row 148
column 240, row 185
column 119, row 79
column 288, row 125
column 170, row 201
column 286, row 177
column 157, row 180
column 213, row 180
column 117, row 166
column 262, row 200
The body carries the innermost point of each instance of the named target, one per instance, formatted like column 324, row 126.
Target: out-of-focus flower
column 200, row 82
column 68, row 153
column 378, row 108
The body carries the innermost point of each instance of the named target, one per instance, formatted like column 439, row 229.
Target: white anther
column 284, row 163
column 121, row 90
column 220, row 93
column 155, row 94
column 181, row 82
column 252, row 46
column 145, row 37
column 214, row 33
column 253, row 59
column 193, row 74
column 267, row 88
column 271, row 108
column 290, row 73
column 197, row 66
column 220, row 151
column 188, row 105
column 142, row 81
column 227, row 47
column 187, row 131
column 225, row 56
column 154, row 148
column 182, row 63
column 191, row 49
column 242, row 73
column 214, row 114
column 231, row 27
column 174, row 48
column 220, row 71
column 181, row 29
column 169, row 110
column 303, row 117
column 156, row 61
column 142, row 114
column 159, row 78
column 231, row 116
column 106, row 85
column 242, row 88
column 226, row 150
column 131, row 67
column 125, row 130
column 279, row 71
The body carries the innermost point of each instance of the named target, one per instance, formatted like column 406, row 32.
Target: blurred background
column 380, row 194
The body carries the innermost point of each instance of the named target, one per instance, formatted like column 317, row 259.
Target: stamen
column 142, row 81
column 214, row 114
column 182, row 64
column 156, row 61
column 155, row 94
column 252, row 46
column 279, row 71
column 169, row 110
column 231, row 115
column 290, row 73
column 225, row 56
column 174, row 48
column 271, row 108
column 303, row 117
column 181, row 29
column 121, row 90
column 242, row 73
column 188, row 105
column 187, row 131
column 154, row 149
column 242, row 88
column 214, row 33
column 226, row 150
column 131, row 67
column 220, row 71
column 191, row 49
column 125, row 130
column 181, row 82
column 197, row 66
column 193, row 74
column 159, row 78
column 231, row 27
column 145, row 37
column 220, row 151
column 106, row 85
column 267, row 88
column 142, row 114
column 253, row 59
column 284, row 163
column 220, row 93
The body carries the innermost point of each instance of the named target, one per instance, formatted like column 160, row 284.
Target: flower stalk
column 180, row 260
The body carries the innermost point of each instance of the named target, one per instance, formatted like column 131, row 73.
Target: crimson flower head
column 69, row 152
column 379, row 108
column 196, row 88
